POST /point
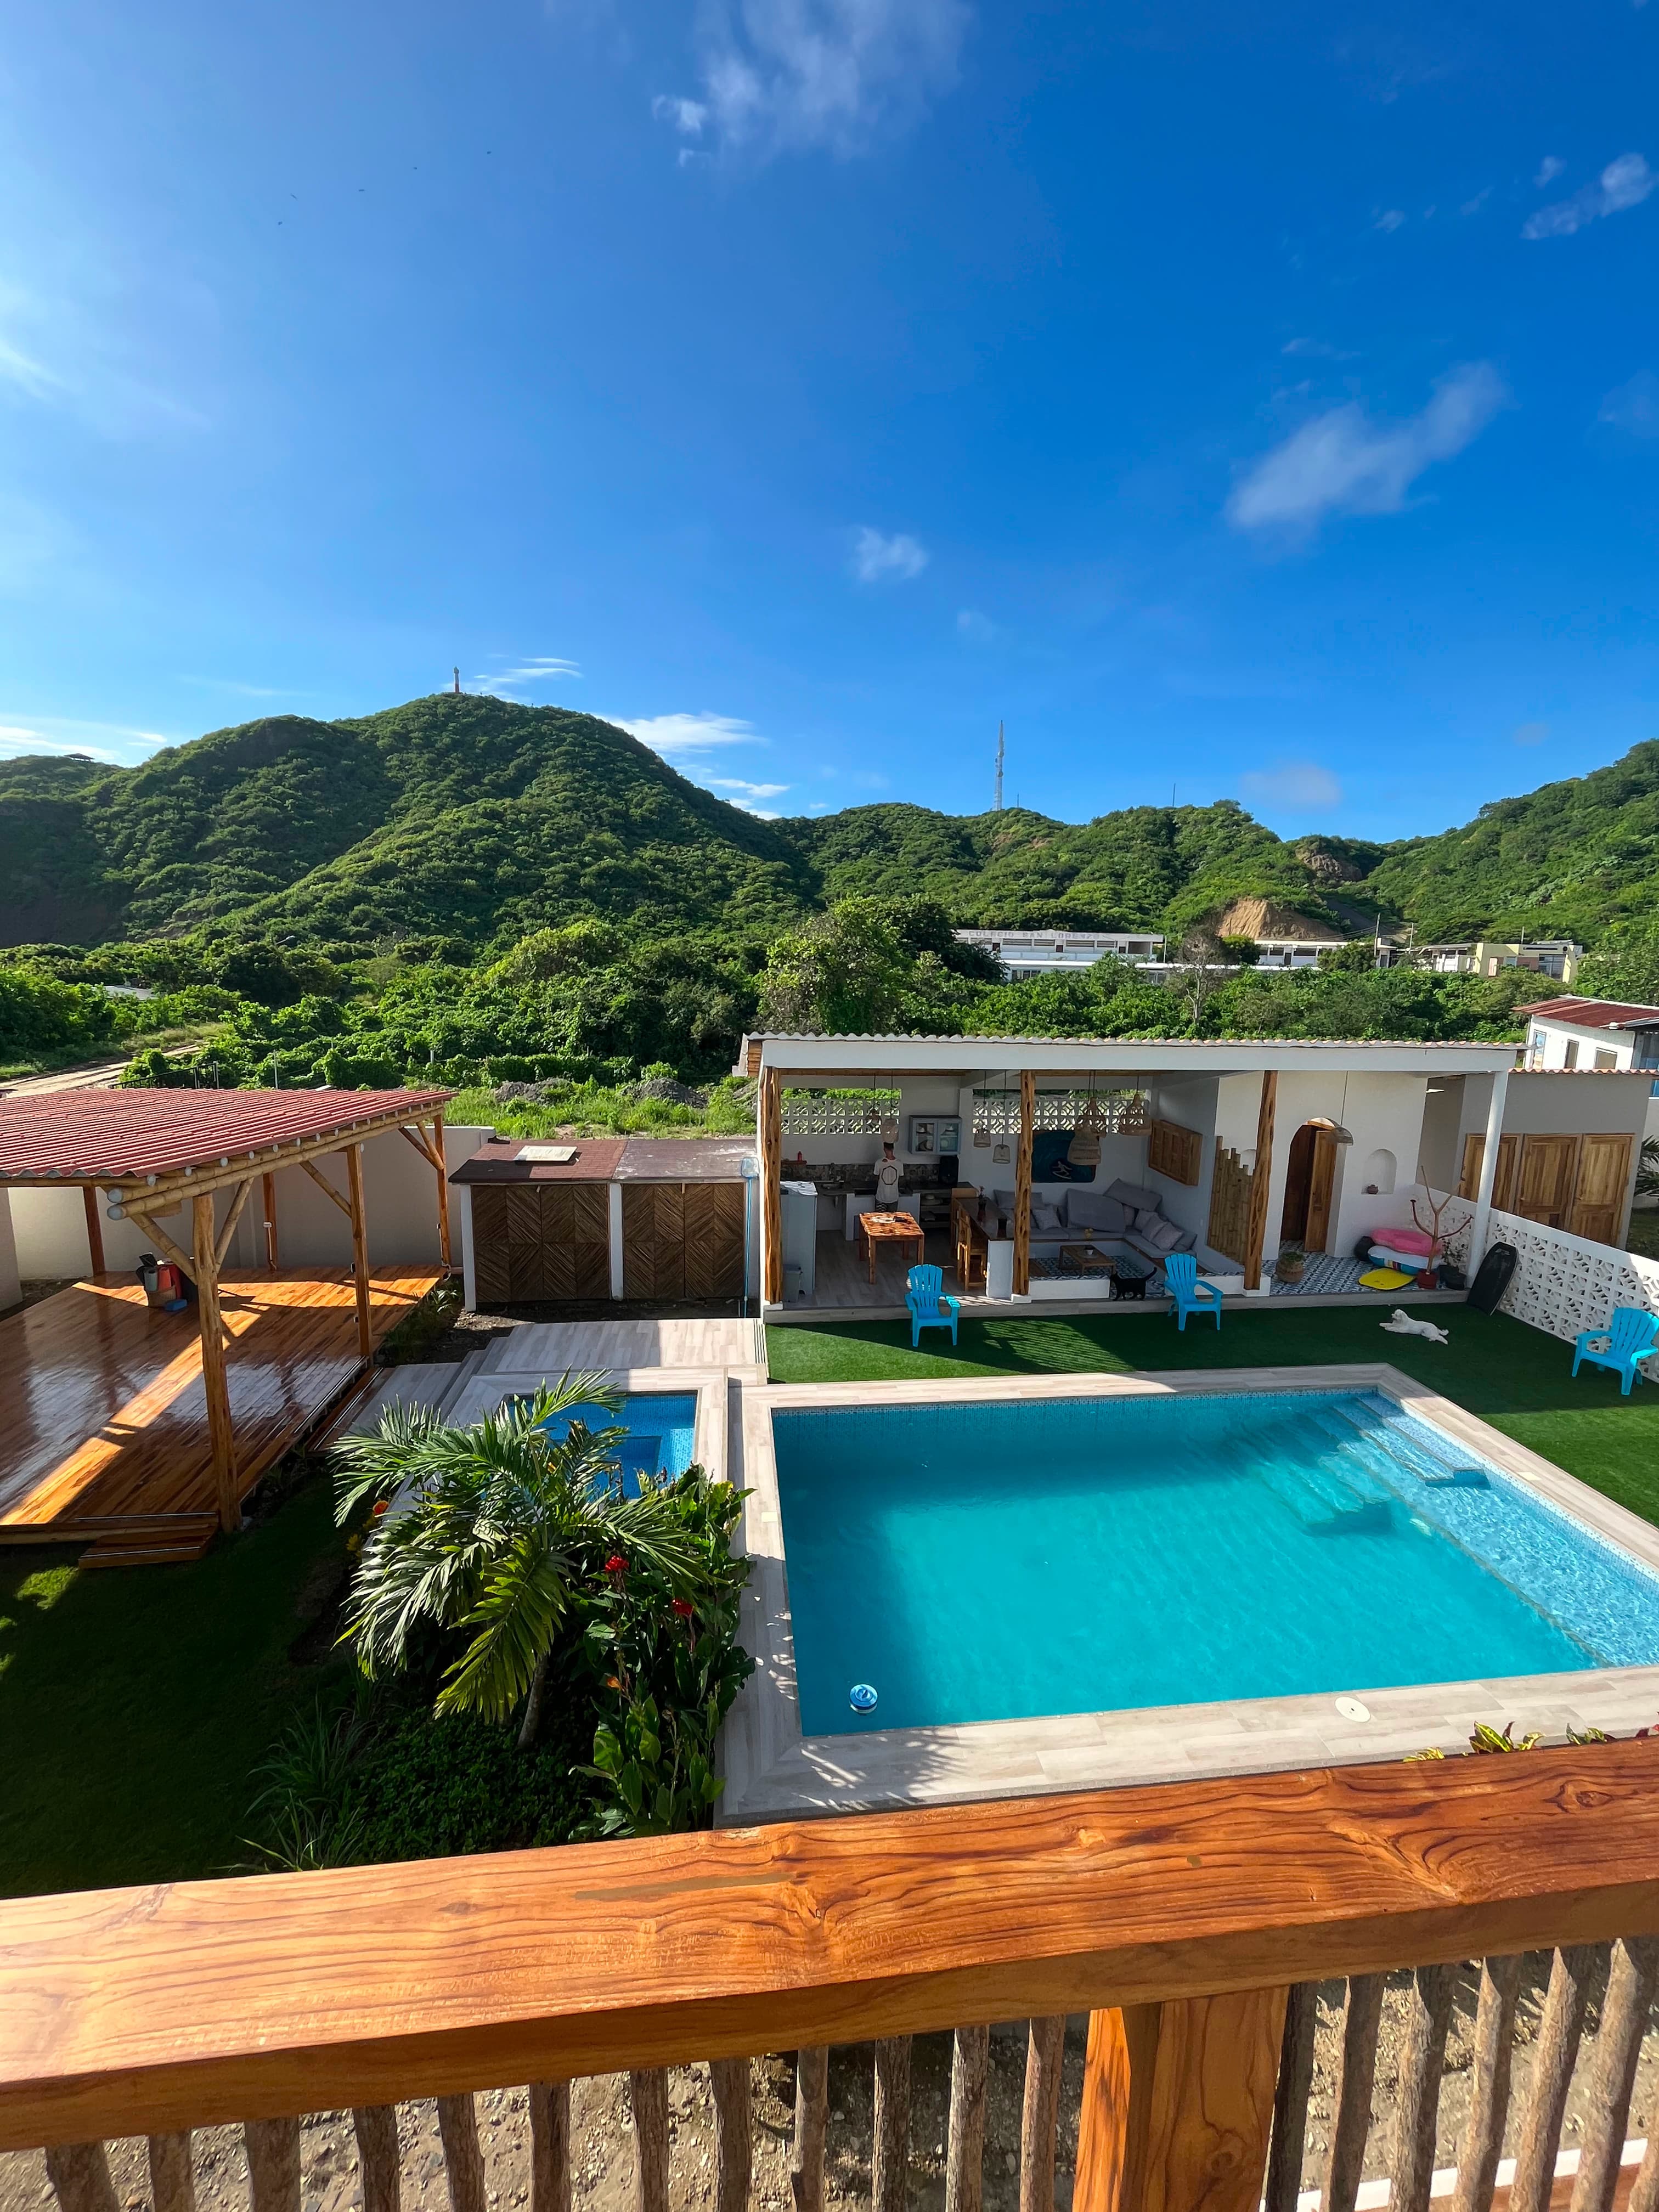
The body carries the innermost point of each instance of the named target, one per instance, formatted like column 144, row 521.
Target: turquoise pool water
column 659, row 1426
column 991, row 1562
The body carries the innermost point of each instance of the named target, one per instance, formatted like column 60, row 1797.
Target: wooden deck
column 106, row 1436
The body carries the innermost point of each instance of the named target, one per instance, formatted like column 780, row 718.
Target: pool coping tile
column 772, row 1772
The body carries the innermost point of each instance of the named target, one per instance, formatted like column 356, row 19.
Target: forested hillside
column 468, row 889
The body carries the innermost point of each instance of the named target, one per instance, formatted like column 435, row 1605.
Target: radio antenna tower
column 999, row 799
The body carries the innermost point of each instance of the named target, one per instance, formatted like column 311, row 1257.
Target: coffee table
column 877, row 1229
column 1084, row 1260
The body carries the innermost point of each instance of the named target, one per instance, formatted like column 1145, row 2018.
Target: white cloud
column 875, row 558
column 1531, row 733
column 1344, row 463
column 1475, row 206
column 58, row 733
column 1623, row 183
column 975, row 627
column 1390, row 219
column 531, row 674
column 790, row 75
column 1298, row 786
column 746, row 795
column 1548, row 170
column 1314, row 350
column 672, row 734
column 687, row 116
column 1633, row 406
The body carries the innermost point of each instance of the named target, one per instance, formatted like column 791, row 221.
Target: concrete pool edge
column 772, row 1772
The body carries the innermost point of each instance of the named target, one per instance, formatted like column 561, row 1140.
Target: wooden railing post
column 1290, row 2136
column 378, row 2160
column 964, row 2165
column 1631, row 1988
column 647, row 2092
column 172, row 2174
column 734, row 2151
column 273, row 2157
column 889, row 2155
column 549, row 2147
column 1045, row 2051
column 80, row 2175
column 1559, row 2031
column 1418, row 2102
column 1489, row 2086
column 812, row 2121
column 1177, row 2105
column 1362, row 2016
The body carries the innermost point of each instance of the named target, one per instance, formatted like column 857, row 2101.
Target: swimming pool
column 1001, row 1560
column 660, row 1425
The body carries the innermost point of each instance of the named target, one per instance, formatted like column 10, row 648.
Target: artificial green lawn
column 1514, row 1376
column 135, row 1701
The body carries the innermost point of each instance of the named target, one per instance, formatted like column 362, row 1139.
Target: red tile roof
column 78, row 1135
column 1592, row 1013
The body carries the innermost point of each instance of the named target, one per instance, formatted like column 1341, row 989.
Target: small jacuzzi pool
column 1005, row 1559
column 660, row 1425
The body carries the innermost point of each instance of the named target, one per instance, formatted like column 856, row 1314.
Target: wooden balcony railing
column 1189, row 1923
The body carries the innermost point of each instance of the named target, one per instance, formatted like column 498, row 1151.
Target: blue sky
column 1249, row 402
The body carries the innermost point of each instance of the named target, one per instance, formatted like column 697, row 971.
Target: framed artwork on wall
column 933, row 1134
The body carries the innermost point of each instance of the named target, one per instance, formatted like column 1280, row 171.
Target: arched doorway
column 1311, row 1172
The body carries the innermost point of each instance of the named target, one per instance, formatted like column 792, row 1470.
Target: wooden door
column 654, row 1240
column 1316, row 1236
column 1503, row 1182
column 489, row 1267
column 575, row 1240
column 1598, row 1198
column 714, row 1240
column 1549, row 1167
column 524, row 1242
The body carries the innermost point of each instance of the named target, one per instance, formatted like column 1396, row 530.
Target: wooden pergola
column 143, row 1153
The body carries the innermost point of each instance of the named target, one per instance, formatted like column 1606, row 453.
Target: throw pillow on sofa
column 1095, row 1211
column 1045, row 1219
column 1164, row 1236
column 1133, row 1194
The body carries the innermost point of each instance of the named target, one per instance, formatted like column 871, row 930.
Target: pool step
column 1332, row 1500
column 1434, row 1459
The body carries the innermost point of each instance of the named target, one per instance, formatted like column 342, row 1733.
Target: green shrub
column 436, row 1789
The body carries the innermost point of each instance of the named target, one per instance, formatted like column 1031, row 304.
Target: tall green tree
column 843, row 973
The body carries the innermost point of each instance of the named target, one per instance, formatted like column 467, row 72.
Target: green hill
column 472, row 821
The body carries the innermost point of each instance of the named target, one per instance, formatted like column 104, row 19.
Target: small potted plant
column 1290, row 1263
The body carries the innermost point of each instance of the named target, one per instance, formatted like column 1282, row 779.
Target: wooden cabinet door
column 714, row 1240
column 1549, row 1167
column 489, row 1267
column 654, row 1240
column 575, row 1233
column 1503, row 1182
column 1598, row 1198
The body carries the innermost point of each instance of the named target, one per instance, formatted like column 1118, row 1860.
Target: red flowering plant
column 669, row 1665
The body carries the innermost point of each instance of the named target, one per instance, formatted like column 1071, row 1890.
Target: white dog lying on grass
column 1401, row 1323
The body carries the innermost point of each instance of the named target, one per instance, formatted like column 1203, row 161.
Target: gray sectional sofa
column 1123, row 1211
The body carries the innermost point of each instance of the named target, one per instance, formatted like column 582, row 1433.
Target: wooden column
column 771, row 1169
column 94, row 1229
column 1256, row 1226
column 215, row 1382
column 267, row 1194
column 359, row 1249
column 1023, row 1184
column 443, row 1188
column 1177, row 2102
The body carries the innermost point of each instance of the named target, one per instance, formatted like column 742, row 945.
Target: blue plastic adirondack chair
column 1190, row 1296
column 1626, row 1341
column 923, row 1293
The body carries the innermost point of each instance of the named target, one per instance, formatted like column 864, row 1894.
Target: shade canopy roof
column 116, row 1136
column 1594, row 1013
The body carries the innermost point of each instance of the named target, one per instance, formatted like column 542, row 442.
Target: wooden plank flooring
column 106, row 1420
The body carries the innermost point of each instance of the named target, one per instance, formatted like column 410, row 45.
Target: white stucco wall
column 400, row 1199
column 1547, row 1043
column 10, row 1274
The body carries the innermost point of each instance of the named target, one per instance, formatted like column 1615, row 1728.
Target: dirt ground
column 603, row 2137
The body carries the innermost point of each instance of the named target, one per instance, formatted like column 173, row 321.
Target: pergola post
column 1023, row 1184
column 359, row 1249
column 268, row 1192
column 1256, row 1227
column 94, row 1228
column 443, row 1188
column 215, row 1382
column 1482, row 1217
column 771, row 1167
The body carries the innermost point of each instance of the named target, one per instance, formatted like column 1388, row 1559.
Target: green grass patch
column 135, row 1701
column 1514, row 1376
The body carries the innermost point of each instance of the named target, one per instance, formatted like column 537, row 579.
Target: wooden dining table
column 877, row 1228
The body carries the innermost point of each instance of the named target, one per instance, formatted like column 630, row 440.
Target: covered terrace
column 141, row 1431
column 1066, row 1169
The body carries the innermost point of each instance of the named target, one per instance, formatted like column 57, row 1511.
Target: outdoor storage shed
column 653, row 1219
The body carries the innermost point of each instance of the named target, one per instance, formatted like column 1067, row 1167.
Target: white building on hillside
column 1060, row 951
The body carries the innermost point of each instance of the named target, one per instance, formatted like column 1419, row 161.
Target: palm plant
column 498, row 1530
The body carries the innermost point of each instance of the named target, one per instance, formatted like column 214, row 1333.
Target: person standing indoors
column 887, row 1181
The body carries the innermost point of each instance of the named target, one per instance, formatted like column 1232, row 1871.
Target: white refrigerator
column 801, row 1236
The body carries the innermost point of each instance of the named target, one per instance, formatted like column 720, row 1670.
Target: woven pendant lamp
column 1084, row 1150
